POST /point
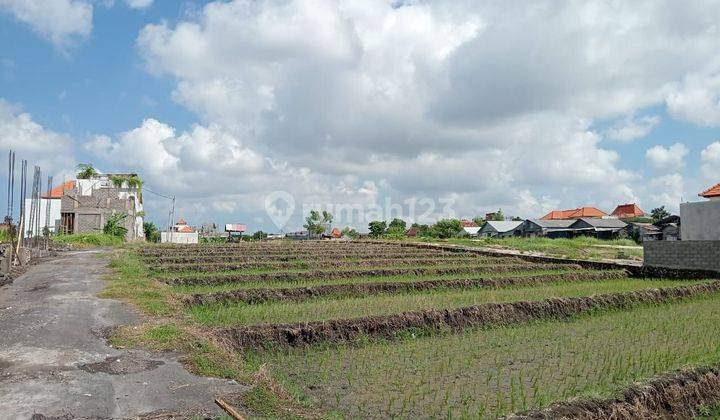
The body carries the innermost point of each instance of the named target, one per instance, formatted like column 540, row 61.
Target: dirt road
column 54, row 361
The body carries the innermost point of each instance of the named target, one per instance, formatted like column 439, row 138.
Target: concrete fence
column 179, row 237
column 686, row 255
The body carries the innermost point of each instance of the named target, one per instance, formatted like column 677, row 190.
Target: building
column 627, row 211
column 53, row 200
column 470, row 227
column 491, row 216
column 701, row 220
column 180, row 233
column 498, row 229
column 88, row 205
column 582, row 212
column 670, row 228
column 547, row 228
column 642, row 232
column 599, row 228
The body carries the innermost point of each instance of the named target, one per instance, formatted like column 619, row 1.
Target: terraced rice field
column 358, row 329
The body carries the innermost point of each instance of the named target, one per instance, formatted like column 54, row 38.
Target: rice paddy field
column 381, row 329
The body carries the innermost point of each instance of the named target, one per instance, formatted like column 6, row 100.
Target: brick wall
column 693, row 255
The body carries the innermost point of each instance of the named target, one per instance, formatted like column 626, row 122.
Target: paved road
column 54, row 361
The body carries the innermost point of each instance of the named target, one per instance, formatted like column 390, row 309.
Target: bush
column 89, row 239
column 152, row 234
column 377, row 228
column 114, row 226
column 446, row 228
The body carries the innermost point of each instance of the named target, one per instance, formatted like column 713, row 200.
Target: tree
column 479, row 220
column 86, row 171
column 114, row 226
column 259, row 235
column 396, row 227
column 447, row 228
column 152, row 234
column 350, row 233
column 315, row 222
column 397, row 223
column 377, row 228
column 498, row 216
column 659, row 213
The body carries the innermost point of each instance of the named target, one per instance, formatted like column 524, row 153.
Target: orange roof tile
column 468, row 223
column 336, row 233
column 713, row 191
column 627, row 211
column 574, row 213
column 58, row 191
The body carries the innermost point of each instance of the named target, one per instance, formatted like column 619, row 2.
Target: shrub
column 114, row 227
column 377, row 228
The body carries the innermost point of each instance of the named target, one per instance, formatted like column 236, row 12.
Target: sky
column 257, row 111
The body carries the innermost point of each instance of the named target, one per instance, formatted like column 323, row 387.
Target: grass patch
column 132, row 281
column 224, row 287
column 238, row 313
column 88, row 240
column 492, row 372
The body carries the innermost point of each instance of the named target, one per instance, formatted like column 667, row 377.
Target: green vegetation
column 211, row 288
column 334, row 308
column 152, row 234
column 316, row 221
column 659, row 213
column 488, row 373
column 114, row 227
column 476, row 373
column 86, row 171
column 87, row 240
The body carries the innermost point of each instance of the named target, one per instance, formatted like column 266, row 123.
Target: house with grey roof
column 500, row 229
column 599, row 228
column 548, row 228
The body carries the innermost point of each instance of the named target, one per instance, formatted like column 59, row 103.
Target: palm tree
column 86, row 171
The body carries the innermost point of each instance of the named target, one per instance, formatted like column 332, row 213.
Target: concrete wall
column 54, row 213
column 689, row 255
column 700, row 221
column 179, row 237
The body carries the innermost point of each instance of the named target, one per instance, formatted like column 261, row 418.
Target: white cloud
column 632, row 128
column 60, row 21
column 697, row 99
column 50, row 150
column 493, row 104
column 139, row 4
column 710, row 161
column 667, row 190
column 667, row 159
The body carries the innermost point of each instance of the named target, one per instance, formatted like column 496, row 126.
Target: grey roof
column 604, row 223
column 552, row 224
column 501, row 227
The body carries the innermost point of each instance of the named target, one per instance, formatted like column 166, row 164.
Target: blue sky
column 493, row 106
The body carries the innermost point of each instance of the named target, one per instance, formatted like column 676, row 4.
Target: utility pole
column 172, row 218
column 48, row 203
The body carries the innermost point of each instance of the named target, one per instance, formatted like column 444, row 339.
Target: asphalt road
column 55, row 362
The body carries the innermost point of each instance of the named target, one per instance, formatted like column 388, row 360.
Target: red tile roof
column 627, row 211
column 713, row 191
column 468, row 223
column 336, row 233
column 574, row 213
column 58, row 191
column 181, row 221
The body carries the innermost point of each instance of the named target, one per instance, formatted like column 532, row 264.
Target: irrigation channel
column 377, row 329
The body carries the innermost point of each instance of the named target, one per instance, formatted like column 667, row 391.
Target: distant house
column 548, row 228
column 336, row 233
column 599, row 228
column 642, row 232
column 498, row 229
column 470, row 227
column 180, row 233
column 490, row 216
column 712, row 193
column 670, row 228
column 53, row 200
column 412, row 232
column 627, row 211
column 582, row 212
